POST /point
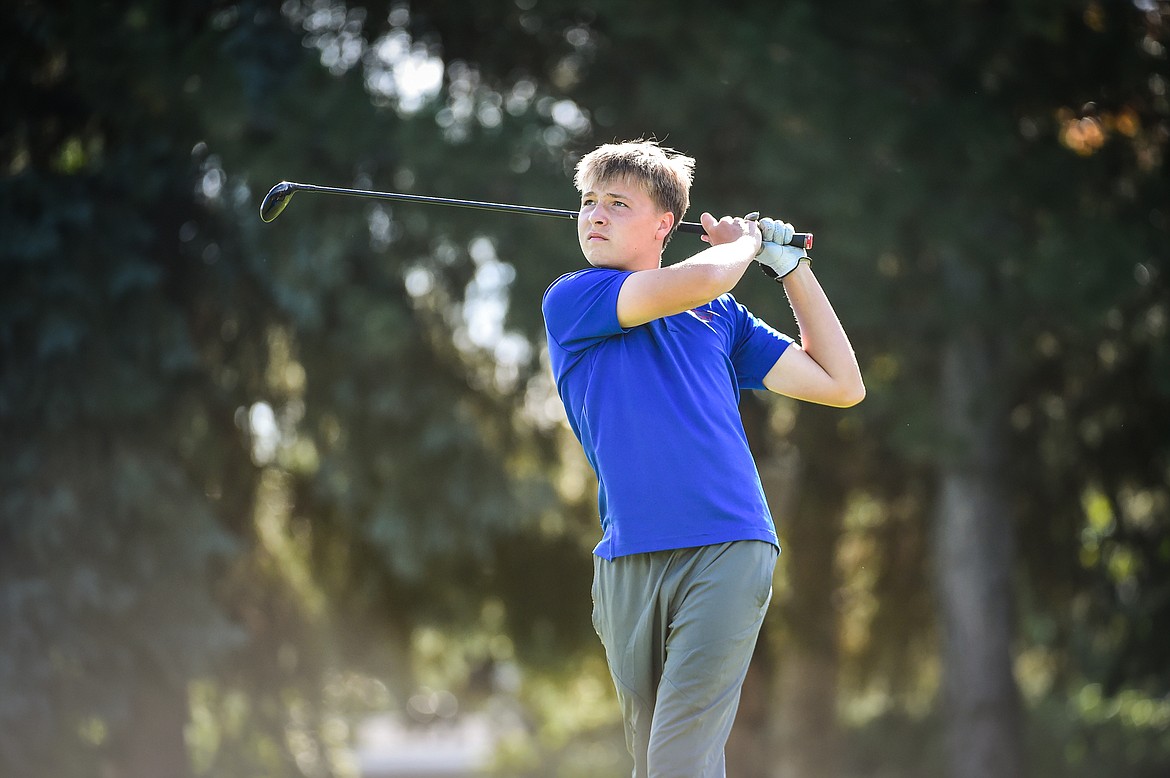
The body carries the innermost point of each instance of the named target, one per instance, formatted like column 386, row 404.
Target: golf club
column 278, row 197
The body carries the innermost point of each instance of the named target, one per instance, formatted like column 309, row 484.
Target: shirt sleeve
column 580, row 308
column 755, row 348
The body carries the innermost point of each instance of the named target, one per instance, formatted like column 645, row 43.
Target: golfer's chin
column 601, row 262
column 597, row 256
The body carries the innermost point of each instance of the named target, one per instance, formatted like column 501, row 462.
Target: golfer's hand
column 774, row 251
column 730, row 229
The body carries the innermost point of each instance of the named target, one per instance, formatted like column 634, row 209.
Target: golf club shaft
column 278, row 197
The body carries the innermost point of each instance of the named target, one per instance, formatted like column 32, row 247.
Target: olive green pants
column 679, row 628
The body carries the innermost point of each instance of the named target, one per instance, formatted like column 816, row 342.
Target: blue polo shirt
column 656, row 409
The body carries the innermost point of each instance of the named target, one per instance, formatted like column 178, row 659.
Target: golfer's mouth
column 595, row 236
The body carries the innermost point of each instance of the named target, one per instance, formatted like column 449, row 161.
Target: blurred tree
column 243, row 460
column 124, row 480
column 223, row 446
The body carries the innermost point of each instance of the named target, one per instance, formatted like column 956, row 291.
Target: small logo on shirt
column 702, row 315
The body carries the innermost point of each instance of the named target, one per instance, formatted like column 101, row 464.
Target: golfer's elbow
column 849, row 393
column 841, row 391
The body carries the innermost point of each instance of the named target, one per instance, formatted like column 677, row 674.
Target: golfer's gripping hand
column 729, row 229
column 774, row 251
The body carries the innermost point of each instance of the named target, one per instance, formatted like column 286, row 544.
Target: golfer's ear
column 665, row 224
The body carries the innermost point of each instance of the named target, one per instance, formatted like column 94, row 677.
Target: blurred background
column 298, row 499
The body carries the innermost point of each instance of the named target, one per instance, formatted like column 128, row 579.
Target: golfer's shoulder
column 587, row 281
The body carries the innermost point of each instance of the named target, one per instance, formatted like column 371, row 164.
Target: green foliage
column 103, row 543
column 156, row 538
column 146, row 320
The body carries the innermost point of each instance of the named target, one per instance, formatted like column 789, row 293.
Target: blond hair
column 665, row 173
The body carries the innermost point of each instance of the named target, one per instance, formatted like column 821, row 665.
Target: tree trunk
column 806, row 685
column 153, row 745
column 974, row 554
column 806, row 725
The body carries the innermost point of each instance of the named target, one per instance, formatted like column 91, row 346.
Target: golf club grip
column 802, row 239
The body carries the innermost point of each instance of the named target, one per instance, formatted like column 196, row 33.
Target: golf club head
column 276, row 200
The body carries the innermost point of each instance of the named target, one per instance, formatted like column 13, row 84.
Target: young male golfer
column 649, row 362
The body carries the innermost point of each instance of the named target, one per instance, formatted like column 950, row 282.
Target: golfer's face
column 619, row 226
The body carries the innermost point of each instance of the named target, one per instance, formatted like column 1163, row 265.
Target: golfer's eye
column 587, row 201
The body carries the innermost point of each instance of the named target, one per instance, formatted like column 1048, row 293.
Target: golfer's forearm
column 651, row 294
column 821, row 335
column 719, row 268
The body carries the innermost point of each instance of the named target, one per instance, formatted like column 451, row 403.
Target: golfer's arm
column 822, row 368
column 651, row 294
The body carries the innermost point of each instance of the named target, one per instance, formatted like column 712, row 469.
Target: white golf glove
column 775, row 255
